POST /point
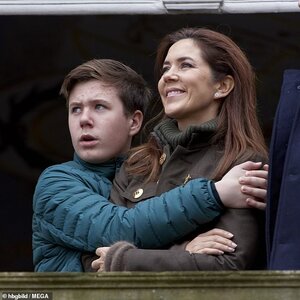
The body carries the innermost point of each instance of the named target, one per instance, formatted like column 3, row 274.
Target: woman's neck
column 184, row 124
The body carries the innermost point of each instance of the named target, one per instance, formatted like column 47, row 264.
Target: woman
column 207, row 88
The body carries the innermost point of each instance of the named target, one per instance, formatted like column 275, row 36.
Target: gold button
column 162, row 158
column 138, row 193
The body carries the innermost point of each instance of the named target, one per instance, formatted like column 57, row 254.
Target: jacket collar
column 107, row 169
column 168, row 133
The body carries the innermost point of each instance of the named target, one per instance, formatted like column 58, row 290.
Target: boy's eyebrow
column 95, row 100
column 74, row 102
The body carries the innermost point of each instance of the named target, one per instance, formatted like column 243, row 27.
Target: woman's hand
column 98, row 264
column 213, row 242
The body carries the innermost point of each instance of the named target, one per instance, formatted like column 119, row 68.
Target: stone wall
column 247, row 285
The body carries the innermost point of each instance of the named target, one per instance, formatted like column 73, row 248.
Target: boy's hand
column 234, row 195
column 254, row 184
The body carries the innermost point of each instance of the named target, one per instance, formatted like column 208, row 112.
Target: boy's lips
column 88, row 140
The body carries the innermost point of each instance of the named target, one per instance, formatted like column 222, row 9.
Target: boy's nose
column 86, row 118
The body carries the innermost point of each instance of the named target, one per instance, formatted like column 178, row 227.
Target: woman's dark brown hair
column 238, row 126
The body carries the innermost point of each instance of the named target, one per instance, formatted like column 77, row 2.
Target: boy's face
column 98, row 126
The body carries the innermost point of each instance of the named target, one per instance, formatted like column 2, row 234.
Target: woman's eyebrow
column 179, row 59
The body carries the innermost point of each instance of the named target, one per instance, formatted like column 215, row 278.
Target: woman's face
column 186, row 87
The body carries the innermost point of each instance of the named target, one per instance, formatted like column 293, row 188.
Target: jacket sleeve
column 242, row 223
column 69, row 213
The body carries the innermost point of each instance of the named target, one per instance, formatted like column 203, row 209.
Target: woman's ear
column 136, row 122
column 224, row 87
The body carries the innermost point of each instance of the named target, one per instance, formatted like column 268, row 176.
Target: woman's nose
column 170, row 74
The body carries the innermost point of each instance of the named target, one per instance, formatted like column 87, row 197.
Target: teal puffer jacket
column 72, row 214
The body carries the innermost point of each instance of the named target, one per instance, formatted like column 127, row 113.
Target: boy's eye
column 75, row 109
column 99, row 106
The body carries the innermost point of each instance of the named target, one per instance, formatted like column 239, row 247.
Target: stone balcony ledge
column 252, row 285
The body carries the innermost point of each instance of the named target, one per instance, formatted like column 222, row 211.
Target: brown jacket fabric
column 188, row 155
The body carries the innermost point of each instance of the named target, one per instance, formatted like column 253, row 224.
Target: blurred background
column 36, row 52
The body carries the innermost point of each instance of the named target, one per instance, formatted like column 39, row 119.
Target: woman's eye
column 164, row 69
column 186, row 65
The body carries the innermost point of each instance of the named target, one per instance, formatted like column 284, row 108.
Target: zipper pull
column 186, row 179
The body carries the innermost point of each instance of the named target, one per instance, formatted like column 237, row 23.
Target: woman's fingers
column 219, row 248
column 215, row 241
column 217, row 231
column 209, row 251
column 101, row 251
column 96, row 264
